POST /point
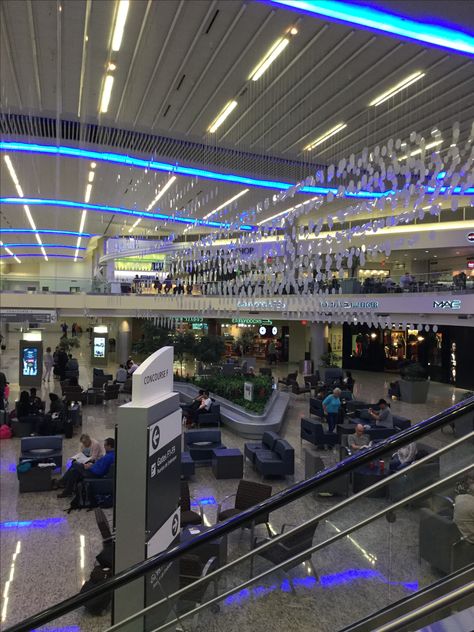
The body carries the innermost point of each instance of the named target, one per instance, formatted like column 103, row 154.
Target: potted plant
column 329, row 360
column 414, row 383
column 183, row 344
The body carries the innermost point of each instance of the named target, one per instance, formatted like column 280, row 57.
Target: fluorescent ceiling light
column 91, row 176
column 32, row 245
column 93, row 165
column 106, row 93
column 75, row 255
column 221, row 117
column 19, row 190
column 18, row 260
column 277, row 48
column 135, row 225
column 38, row 239
column 78, row 243
column 29, row 216
column 11, row 170
column 334, row 130
column 232, row 199
column 379, row 20
column 120, row 19
column 398, row 88
column 415, row 152
column 83, row 221
column 9, row 251
column 288, row 210
column 87, row 195
column 161, row 192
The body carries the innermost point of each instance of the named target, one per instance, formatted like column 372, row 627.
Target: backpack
column 5, row 432
column 97, row 605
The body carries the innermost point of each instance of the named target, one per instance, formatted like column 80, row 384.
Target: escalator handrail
column 290, row 561
column 280, row 499
column 462, row 576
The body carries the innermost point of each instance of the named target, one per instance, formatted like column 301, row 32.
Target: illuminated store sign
column 470, row 237
column 251, row 321
column 263, row 304
column 450, row 305
column 349, row 304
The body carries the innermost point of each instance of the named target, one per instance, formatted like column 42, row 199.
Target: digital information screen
column 30, row 361
column 99, row 347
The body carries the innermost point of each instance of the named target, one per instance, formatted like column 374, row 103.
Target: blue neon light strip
column 100, row 208
column 377, row 20
column 22, row 255
column 74, row 152
column 44, row 231
column 35, row 245
column 42, row 523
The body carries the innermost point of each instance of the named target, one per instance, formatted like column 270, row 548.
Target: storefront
column 446, row 353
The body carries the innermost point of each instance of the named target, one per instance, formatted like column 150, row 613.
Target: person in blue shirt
column 78, row 471
column 331, row 407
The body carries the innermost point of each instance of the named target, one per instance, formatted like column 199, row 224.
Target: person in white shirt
column 204, row 407
column 48, row 365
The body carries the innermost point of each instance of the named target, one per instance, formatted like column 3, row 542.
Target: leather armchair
column 441, row 543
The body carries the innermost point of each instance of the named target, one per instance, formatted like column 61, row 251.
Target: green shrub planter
column 232, row 388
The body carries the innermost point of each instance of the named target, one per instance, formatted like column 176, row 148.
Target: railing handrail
column 313, row 521
column 274, row 502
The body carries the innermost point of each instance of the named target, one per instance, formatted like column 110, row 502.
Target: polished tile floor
column 47, row 554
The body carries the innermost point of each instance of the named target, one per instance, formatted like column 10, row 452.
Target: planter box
column 414, row 392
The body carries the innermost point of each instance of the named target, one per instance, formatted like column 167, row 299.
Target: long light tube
column 27, row 231
column 286, row 211
column 232, row 199
column 16, row 182
column 223, row 114
column 33, row 256
column 161, row 193
column 321, row 139
column 83, row 221
column 385, row 96
column 270, row 56
column 415, row 152
column 106, row 93
column 379, row 20
column 33, row 245
column 135, row 224
column 121, row 18
column 101, row 208
column 130, row 161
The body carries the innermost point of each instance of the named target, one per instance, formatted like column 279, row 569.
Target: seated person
column 91, row 448
column 72, row 365
column 250, row 372
column 403, row 457
column 23, row 405
column 78, row 471
column 121, row 375
column 204, row 407
column 358, row 440
column 463, row 515
column 384, row 417
column 37, row 406
column 52, row 422
column 196, row 402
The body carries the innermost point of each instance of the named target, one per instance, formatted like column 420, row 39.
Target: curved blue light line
column 101, row 208
column 129, row 161
column 378, row 20
column 45, row 231
column 35, row 245
column 21, row 254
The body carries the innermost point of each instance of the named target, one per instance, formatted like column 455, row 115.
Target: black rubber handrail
column 271, row 504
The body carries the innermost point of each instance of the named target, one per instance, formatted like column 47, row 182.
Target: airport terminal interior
column 237, row 315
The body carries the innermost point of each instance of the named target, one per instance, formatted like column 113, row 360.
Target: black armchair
column 287, row 381
column 441, row 543
column 296, row 389
column 316, row 407
column 211, row 417
column 313, row 432
column 286, row 549
column 248, row 494
column 187, row 515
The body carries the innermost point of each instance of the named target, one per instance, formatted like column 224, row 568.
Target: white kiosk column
column 148, row 484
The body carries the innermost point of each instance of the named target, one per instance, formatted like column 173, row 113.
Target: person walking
column 331, row 407
column 48, row 365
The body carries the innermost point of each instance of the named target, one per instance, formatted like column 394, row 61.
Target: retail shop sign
column 349, row 304
column 452, row 305
column 28, row 315
column 154, row 377
column 272, row 304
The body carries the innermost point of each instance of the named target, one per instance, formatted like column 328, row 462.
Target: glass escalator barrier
column 303, row 560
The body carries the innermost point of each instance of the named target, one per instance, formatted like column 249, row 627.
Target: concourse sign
column 148, row 486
